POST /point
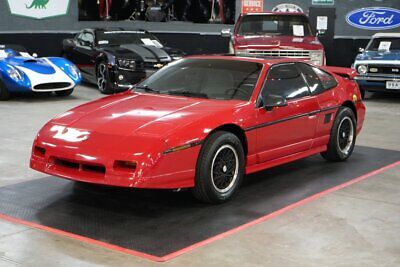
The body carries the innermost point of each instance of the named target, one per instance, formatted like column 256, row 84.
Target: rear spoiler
column 343, row 72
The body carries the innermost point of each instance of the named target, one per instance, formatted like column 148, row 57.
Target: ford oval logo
column 374, row 18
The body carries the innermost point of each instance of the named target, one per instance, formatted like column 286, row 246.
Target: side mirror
column 226, row 33
column 35, row 55
column 361, row 50
column 85, row 43
column 272, row 101
column 320, row 33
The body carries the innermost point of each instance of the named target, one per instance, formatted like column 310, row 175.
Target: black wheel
column 4, row 94
column 103, row 78
column 220, row 168
column 343, row 136
column 64, row 92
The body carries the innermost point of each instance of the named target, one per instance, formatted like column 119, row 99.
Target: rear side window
column 312, row 78
column 285, row 80
column 327, row 80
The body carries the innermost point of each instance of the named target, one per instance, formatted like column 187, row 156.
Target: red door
column 286, row 130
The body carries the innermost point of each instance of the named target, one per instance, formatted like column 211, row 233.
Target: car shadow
column 382, row 97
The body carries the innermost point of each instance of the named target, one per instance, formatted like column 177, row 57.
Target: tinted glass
column 285, row 80
column 124, row 37
column 327, row 80
column 311, row 77
column 208, row 78
column 393, row 44
column 274, row 25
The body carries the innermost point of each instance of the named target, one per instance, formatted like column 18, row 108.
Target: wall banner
column 38, row 9
column 252, row 6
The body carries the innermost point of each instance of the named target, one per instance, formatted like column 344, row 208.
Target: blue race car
column 378, row 66
column 20, row 72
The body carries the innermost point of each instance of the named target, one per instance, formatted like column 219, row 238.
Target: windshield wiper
column 146, row 89
column 187, row 93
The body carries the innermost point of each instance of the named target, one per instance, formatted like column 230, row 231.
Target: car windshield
column 126, row 37
column 205, row 78
column 384, row 44
column 289, row 25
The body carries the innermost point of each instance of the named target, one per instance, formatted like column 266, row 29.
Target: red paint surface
column 84, row 143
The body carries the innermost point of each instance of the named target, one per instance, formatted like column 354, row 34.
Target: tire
column 103, row 78
column 64, row 92
column 218, row 147
column 343, row 136
column 4, row 94
column 362, row 92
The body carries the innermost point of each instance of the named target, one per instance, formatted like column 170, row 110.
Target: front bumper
column 376, row 83
column 172, row 171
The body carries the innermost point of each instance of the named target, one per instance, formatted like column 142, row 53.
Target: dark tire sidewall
column 334, row 152
column 108, row 89
column 204, row 166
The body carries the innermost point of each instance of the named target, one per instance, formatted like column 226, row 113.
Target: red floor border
column 204, row 242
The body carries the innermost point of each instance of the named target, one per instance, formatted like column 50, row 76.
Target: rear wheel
column 103, row 78
column 220, row 168
column 4, row 94
column 64, row 92
column 343, row 136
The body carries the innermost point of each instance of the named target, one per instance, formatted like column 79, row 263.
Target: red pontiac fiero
column 203, row 123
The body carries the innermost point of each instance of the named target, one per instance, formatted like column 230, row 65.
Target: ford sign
column 374, row 18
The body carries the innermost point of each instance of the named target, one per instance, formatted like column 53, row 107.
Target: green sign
column 323, row 2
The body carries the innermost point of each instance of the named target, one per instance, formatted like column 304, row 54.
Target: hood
column 277, row 42
column 38, row 65
column 378, row 55
column 137, row 116
column 147, row 53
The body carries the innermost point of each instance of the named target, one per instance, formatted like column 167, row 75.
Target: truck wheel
column 220, row 168
column 343, row 136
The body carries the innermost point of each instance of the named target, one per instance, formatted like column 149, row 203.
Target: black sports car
column 114, row 59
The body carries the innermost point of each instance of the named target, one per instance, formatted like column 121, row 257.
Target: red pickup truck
column 275, row 34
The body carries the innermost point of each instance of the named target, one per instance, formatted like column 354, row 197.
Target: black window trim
column 312, row 68
column 259, row 99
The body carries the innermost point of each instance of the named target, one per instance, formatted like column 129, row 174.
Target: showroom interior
column 199, row 133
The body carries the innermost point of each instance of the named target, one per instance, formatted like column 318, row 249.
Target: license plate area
column 393, row 85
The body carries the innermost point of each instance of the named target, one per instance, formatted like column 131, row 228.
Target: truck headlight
column 317, row 57
column 362, row 69
column 15, row 74
column 128, row 64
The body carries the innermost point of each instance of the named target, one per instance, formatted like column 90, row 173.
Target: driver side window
column 85, row 38
column 285, row 80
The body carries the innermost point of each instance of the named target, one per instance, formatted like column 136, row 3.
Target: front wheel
column 64, row 92
column 343, row 136
column 220, row 168
column 103, row 78
column 4, row 94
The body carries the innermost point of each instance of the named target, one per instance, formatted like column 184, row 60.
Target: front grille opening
column 79, row 166
column 49, row 86
column 128, row 166
column 94, row 168
column 67, row 164
column 39, row 151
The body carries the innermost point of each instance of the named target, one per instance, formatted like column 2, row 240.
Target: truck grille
column 376, row 69
column 276, row 53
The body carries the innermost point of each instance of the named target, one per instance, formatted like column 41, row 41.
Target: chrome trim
column 275, row 53
column 361, row 78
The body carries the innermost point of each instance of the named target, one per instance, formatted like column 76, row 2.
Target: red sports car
column 203, row 123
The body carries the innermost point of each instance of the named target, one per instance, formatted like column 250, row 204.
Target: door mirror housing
column 272, row 101
column 85, row 43
column 226, row 33
column 361, row 50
